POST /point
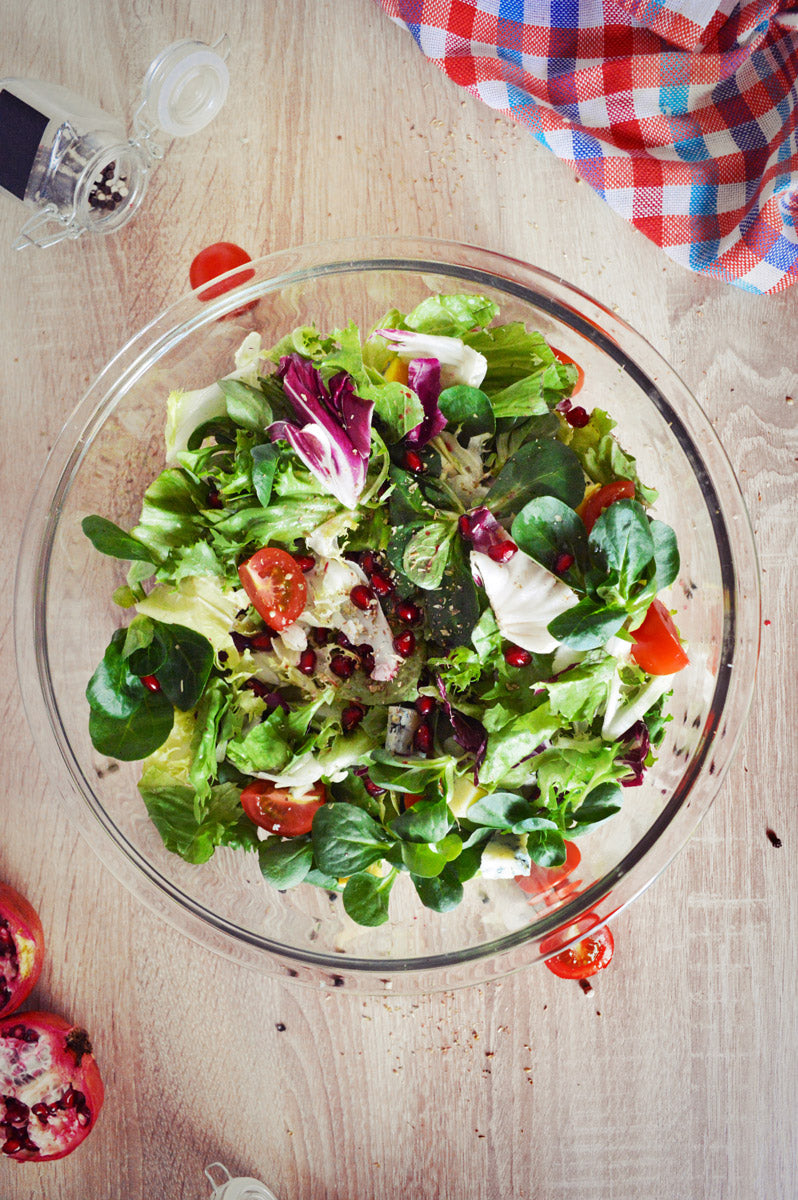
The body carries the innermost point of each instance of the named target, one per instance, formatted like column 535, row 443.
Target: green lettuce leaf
column 602, row 457
column 171, row 807
column 450, row 315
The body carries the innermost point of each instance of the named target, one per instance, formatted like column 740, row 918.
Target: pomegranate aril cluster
column 9, row 966
column 15, row 1123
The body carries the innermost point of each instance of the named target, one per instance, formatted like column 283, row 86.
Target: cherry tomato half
column 278, row 811
column 411, row 798
column 276, row 586
column 541, row 880
column 591, row 509
column 567, row 361
column 584, row 958
column 657, row 648
column 215, row 260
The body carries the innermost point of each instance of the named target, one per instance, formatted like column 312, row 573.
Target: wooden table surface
column 677, row 1076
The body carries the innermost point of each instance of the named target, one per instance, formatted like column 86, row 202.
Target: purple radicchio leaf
column 468, row 731
column 485, row 530
column 333, row 436
column 635, row 751
column 424, row 377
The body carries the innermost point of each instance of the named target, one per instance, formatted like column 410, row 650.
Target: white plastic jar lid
column 185, row 87
column 239, row 1188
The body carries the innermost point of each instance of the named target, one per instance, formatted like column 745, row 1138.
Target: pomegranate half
column 21, row 949
column 50, row 1087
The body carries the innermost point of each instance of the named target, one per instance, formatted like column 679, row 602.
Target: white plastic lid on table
column 238, row 1188
column 185, row 87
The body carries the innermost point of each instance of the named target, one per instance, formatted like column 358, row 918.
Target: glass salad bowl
column 113, row 446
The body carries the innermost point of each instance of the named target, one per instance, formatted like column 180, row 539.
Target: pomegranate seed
column 321, row 636
column 366, row 653
column 151, row 683
column 408, row 612
column 371, row 787
column 362, row 597
column 305, row 562
column 577, row 417
column 464, row 525
column 368, row 561
column 405, row 643
column 351, row 717
column 214, row 499
column 515, row 656
column 69, row 1098
column 343, row 641
column 307, row 661
column 382, row 586
column 11, row 1145
column 413, row 462
column 425, row 705
column 16, row 1111
column 261, row 641
column 342, row 665
column 564, row 561
column 502, row 552
column 422, row 739
column 260, row 689
column 41, row 1111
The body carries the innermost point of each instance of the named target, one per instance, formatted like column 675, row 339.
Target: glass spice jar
column 76, row 166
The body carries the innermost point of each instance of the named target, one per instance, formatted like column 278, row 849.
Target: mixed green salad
column 392, row 608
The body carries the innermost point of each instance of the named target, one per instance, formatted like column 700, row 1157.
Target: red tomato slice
column 657, row 648
column 543, row 879
column 278, row 811
column 411, row 798
column 567, row 361
column 591, row 509
column 276, row 586
column 584, row 958
column 215, row 260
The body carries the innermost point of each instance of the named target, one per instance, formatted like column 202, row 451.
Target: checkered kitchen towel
column 682, row 114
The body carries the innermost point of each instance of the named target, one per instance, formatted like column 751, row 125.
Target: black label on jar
column 21, row 130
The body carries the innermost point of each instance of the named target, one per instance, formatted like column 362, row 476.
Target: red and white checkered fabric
column 682, row 115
